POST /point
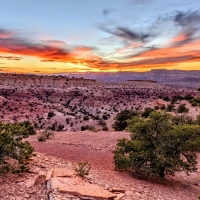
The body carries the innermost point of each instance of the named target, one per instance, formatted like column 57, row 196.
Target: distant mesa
column 44, row 81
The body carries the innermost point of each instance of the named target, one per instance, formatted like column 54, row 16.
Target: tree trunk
column 162, row 173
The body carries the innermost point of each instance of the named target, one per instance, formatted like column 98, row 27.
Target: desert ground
column 65, row 105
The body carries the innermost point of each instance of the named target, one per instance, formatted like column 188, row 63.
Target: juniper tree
column 14, row 153
column 158, row 146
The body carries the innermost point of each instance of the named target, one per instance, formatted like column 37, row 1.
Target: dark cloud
column 24, row 47
column 148, row 63
column 166, row 60
column 5, row 33
column 126, row 33
column 190, row 24
column 188, row 19
column 11, row 57
column 107, row 11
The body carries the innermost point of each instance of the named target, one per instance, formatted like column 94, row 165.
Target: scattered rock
column 89, row 191
column 119, row 196
column 49, row 174
column 31, row 181
column 117, row 190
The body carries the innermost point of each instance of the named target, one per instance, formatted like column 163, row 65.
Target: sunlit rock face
column 30, row 81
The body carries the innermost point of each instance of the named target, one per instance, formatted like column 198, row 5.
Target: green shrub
column 44, row 135
column 156, row 107
column 163, row 107
column 91, row 128
column 147, row 111
column 120, row 123
column 14, row 154
column 170, row 107
column 105, row 128
column 28, row 126
column 86, row 118
column 183, row 119
column 182, row 108
column 83, row 169
column 157, row 146
column 51, row 114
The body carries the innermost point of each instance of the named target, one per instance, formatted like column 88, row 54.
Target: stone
column 119, row 196
column 88, row 191
column 62, row 172
column 31, row 181
column 26, row 195
column 34, row 170
column 58, row 182
column 117, row 190
column 49, row 174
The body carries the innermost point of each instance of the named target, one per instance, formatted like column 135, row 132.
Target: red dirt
column 97, row 147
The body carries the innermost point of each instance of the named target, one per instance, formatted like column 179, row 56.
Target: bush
column 14, row 154
column 183, row 119
column 157, row 146
column 120, row 123
column 86, row 118
column 156, row 107
column 44, row 135
column 182, row 108
column 170, row 107
column 147, row 111
column 51, row 114
column 29, row 127
column 41, row 138
column 195, row 101
column 105, row 128
column 91, row 128
column 163, row 107
column 166, row 98
column 83, row 169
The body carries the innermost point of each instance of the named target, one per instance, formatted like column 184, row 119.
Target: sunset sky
column 56, row 36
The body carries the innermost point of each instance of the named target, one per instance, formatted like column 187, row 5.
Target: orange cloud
column 179, row 38
column 182, row 50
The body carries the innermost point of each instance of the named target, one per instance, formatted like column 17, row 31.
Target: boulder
column 31, row 181
column 88, row 191
column 62, row 172
column 59, row 182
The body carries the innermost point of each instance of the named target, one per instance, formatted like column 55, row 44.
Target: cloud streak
column 11, row 57
column 126, row 33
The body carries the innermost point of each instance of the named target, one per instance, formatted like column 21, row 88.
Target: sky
column 61, row 36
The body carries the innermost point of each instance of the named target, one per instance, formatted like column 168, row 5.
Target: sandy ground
column 97, row 147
